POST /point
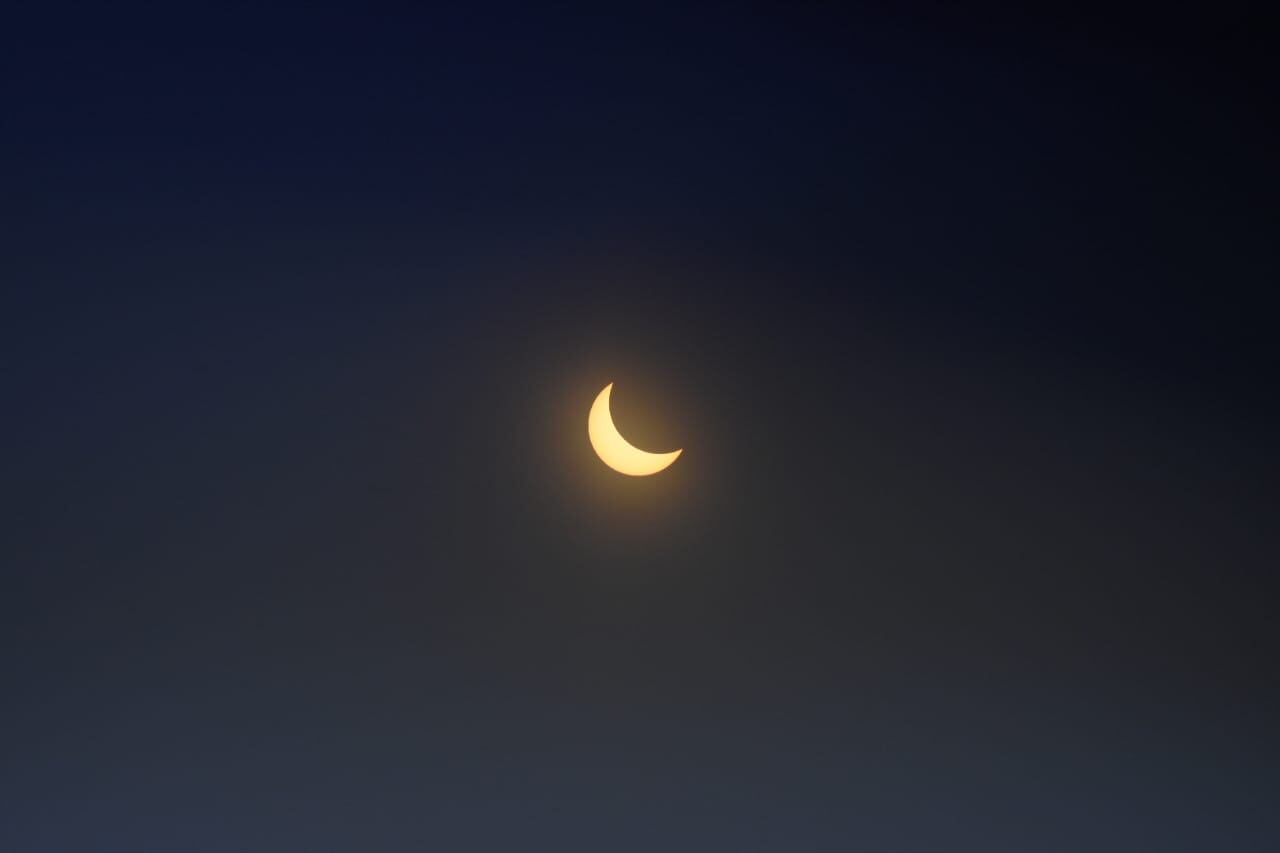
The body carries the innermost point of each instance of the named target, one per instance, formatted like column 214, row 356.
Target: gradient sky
column 965, row 322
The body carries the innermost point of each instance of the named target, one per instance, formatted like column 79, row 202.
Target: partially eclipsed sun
column 616, row 451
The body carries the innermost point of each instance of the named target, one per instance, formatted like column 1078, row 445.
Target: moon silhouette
column 614, row 450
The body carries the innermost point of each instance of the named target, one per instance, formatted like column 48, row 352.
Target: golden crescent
column 616, row 452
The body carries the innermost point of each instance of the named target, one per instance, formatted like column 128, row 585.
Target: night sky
column 966, row 323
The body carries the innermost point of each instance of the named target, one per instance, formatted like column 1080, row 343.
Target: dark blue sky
column 964, row 320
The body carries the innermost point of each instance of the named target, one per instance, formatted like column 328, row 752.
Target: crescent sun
column 616, row 452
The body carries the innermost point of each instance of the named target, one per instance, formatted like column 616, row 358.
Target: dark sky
column 965, row 321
